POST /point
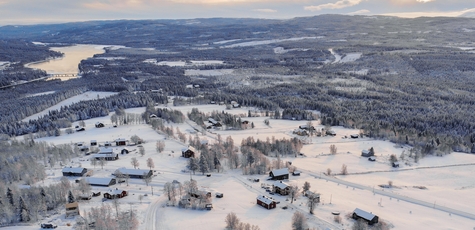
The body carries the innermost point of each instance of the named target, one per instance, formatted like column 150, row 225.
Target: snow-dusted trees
column 105, row 219
column 203, row 164
column 150, row 163
column 306, row 186
column 299, row 222
column 344, row 169
column 312, row 202
column 333, row 149
column 294, row 193
column 234, row 223
column 71, row 198
column 134, row 162
column 193, row 164
column 141, row 151
column 160, row 146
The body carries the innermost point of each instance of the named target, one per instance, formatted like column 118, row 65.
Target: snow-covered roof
column 265, row 199
column 280, row 184
column 120, row 139
column 99, row 155
column 72, row 170
column 104, row 150
column 138, row 172
column 99, row 180
column 364, row 214
column 365, row 151
column 189, row 148
column 115, row 191
column 280, row 172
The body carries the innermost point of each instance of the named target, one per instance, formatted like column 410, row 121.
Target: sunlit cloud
column 360, row 12
column 430, row 14
column 332, row 6
column 265, row 10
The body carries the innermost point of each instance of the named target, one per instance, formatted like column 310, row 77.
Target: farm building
column 133, row 173
column 115, row 193
column 354, row 136
column 93, row 143
column 214, row 122
column 188, row 152
column 367, row 153
column 395, row 164
column 296, row 173
column 100, row 181
column 370, row 218
column 99, row 125
column 72, row 209
column 281, row 188
column 266, row 202
column 107, row 144
column 279, row 174
column 124, row 151
column 105, row 150
column 330, row 133
column 372, row 158
column 106, row 157
column 70, row 171
column 120, row 142
column 305, row 127
column 198, row 194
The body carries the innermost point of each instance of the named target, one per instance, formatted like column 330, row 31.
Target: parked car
column 48, row 226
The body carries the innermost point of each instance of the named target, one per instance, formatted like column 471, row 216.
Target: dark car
column 48, row 226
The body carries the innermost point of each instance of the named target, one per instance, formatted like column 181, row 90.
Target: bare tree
column 141, row 151
column 344, row 169
column 359, row 225
column 147, row 179
column 299, row 222
column 94, row 162
column 333, row 149
column 393, row 158
column 294, row 193
column 160, row 146
column 232, row 221
column 306, row 186
column 102, row 162
column 134, row 162
column 150, row 163
column 312, row 202
column 329, row 172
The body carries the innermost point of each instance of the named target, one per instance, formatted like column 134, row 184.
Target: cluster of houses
column 304, row 130
column 106, row 181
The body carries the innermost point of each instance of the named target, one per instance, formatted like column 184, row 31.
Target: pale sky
column 56, row 11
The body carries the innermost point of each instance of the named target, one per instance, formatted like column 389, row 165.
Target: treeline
column 274, row 147
column 229, row 120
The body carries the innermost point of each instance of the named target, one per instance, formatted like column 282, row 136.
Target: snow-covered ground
column 265, row 42
column 183, row 63
column 400, row 206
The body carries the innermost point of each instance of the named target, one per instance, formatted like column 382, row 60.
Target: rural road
column 393, row 195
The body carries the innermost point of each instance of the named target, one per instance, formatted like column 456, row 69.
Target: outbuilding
column 133, row 173
column 115, row 194
column 370, row 218
column 100, row 181
column 281, row 188
column 120, row 142
column 188, row 152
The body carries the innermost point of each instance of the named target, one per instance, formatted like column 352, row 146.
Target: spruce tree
column 71, row 198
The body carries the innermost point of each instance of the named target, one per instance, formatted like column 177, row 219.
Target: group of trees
column 186, row 195
column 274, row 146
column 104, row 218
column 234, row 223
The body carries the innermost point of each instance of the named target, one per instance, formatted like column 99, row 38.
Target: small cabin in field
column 395, row 164
column 188, row 152
column 133, row 173
column 354, row 136
column 281, row 188
column 70, row 171
column 366, row 153
column 370, row 218
column 214, row 122
column 120, row 142
column 266, row 202
column 100, row 181
column 99, row 125
column 330, row 133
column 72, row 209
column 115, row 194
column 93, row 143
column 279, row 174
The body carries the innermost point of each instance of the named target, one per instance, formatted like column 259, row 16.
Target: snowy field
column 265, row 42
column 183, row 63
column 447, row 184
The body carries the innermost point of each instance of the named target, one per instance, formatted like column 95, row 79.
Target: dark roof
column 72, row 170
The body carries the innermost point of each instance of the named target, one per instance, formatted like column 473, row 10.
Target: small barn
column 100, row 181
column 99, row 125
column 214, row 122
column 120, row 142
column 395, row 164
column 198, row 194
column 296, row 173
column 93, row 143
column 124, row 151
column 266, row 202
column 70, row 171
column 115, row 194
column 354, row 136
column 370, row 218
column 281, row 188
column 106, row 157
column 133, row 173
column 279, row 174
column 366, row 153
column 72, row 209
column 330, row 133
column 372, row 158
column 188, row 152
column 107, row 144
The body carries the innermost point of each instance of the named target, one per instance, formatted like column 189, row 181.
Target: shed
column 266, row 202
column 366, row 153
column 395, row 164
column 188, row 152
column 107, row 157
column 219, row 195
column 370, row 218
column 209, row 206
column 120, row 142
column 100, row 181
column 279, row 174
column 72, row 209
column 124, row 151
column 354, row 136
column 133, row 173
column 99, row 125
column 115, row 193
column 70, row 171
column 93, row 143
column 296, row 173
column 372, row 158
column 330, row 132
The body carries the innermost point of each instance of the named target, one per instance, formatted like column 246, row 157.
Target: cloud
column 360, row 12
column 337, row 5
column 265, row 10
column 431, row 14
column 425, row 1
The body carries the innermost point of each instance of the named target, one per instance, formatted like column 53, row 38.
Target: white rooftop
column 132, row 171
column 280, row 184
column 366, row 215
column 265, row 199
column 280, row 172
column 72, row 170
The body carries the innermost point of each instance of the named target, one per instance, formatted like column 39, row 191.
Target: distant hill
column 469, row 14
